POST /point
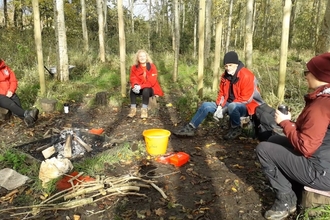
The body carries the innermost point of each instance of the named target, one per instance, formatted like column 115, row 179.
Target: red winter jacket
column 136, row 77
column 8, row 81
column 245, row 90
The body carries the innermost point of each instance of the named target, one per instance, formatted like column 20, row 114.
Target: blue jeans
column 235, row 112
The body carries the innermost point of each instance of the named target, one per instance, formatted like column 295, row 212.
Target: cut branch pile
column 84, row 193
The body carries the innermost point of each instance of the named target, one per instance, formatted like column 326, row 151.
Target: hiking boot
column 132, row 113
column 144, row 113
column 284, row 205
column 187, row 130
column 233, row 133
column 33, row 113
column 29, row 121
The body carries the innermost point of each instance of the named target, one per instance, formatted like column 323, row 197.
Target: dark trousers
column 13, row 104
column 283, row 165
column 146, row 93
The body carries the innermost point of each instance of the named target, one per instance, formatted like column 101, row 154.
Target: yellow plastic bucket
column 156, row 140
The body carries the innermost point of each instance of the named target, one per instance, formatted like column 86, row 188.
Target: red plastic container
column 179, row 159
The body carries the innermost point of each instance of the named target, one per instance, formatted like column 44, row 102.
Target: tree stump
column 48, row 105
column 153, row 105
column 4, row 114
column 102, row 98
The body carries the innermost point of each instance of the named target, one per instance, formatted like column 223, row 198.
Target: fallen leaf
column 234, row 189
column 160, row 212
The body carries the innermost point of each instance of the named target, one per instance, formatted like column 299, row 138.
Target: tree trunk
column 216, row 70
column 229, row 24
column 38, row 42
column 62, row 69
column 323, row 43
column 176, row 39
column 5, row 12
column 131, row 9
column 249, row 34
column 84, row 25
column 101, row 30
column 122, row 47
column 208, row 35
column 201, row 43
column 284, row 49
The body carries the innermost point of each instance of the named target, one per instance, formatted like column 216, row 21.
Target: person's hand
column 136, row 89
column 279, row 116
column 9, row 94
column 218, row 113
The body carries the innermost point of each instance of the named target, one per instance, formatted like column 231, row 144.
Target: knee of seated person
column 231, row 107
column 261, row 147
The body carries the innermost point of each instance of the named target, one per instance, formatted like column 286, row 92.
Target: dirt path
column 222, row 180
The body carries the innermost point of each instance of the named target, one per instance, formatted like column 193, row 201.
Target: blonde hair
column 136, row 57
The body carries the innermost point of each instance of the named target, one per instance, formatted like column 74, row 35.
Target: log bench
column 4, row 114
column 314, row 198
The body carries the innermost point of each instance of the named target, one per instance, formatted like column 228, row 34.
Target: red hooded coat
column 150, row 81
column 8, row 81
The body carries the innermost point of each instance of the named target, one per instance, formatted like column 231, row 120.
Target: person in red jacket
column 9, row 99
column 303, row 155
column 238, row 97
column 144, row 82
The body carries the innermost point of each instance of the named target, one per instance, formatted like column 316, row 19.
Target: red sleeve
column 308, row 133
column 12, row 80
column 136, row 76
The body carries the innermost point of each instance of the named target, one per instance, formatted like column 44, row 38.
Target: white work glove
column 218, row 113
column 136, row 89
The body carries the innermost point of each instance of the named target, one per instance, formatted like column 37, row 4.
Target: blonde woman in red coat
column 144, row 82
column 9, row 99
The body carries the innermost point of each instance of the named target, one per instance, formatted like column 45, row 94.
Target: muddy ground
column 222, row 180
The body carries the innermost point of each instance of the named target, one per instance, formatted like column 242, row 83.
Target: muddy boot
column 29, row 121
column 187, row 130
column 132, row 113
column 34, row 113
column 233, row 133
column 144, row 113
column 284, row 205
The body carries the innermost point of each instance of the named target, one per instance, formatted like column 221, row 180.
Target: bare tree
column 216, row 69
column 323, row 42
column 122, row 47
column 38, row 42
column 249, row 33
column 208, row 22
column 62, row 69
column 229, row 24
column 84, row 25
column 101, row 29
column 201, row 43
column 176, row 39
column 284, row 49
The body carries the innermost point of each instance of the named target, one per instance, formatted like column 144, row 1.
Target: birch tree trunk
column 131, row 9
column 5, row 13
column 101, row 29
column 208, row 22
column 229, row 24
column 62, row 69
column 323, row 42
column 284, row 49
column 176, row 39
column 249, row 33
column 84, row 25
column 216, row 69
column 201, row 43
column 38, row 42
column 122, row 47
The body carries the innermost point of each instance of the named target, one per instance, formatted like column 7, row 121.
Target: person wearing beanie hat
column 303, row 154
column 238, row 97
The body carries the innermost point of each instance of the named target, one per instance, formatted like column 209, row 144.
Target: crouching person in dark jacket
column 303, row 154
column 9, row 99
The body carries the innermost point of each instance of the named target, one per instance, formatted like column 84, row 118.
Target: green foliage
column 15, row 160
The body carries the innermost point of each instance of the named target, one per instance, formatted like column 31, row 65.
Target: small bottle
column 283, row 108
column 66, row 108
